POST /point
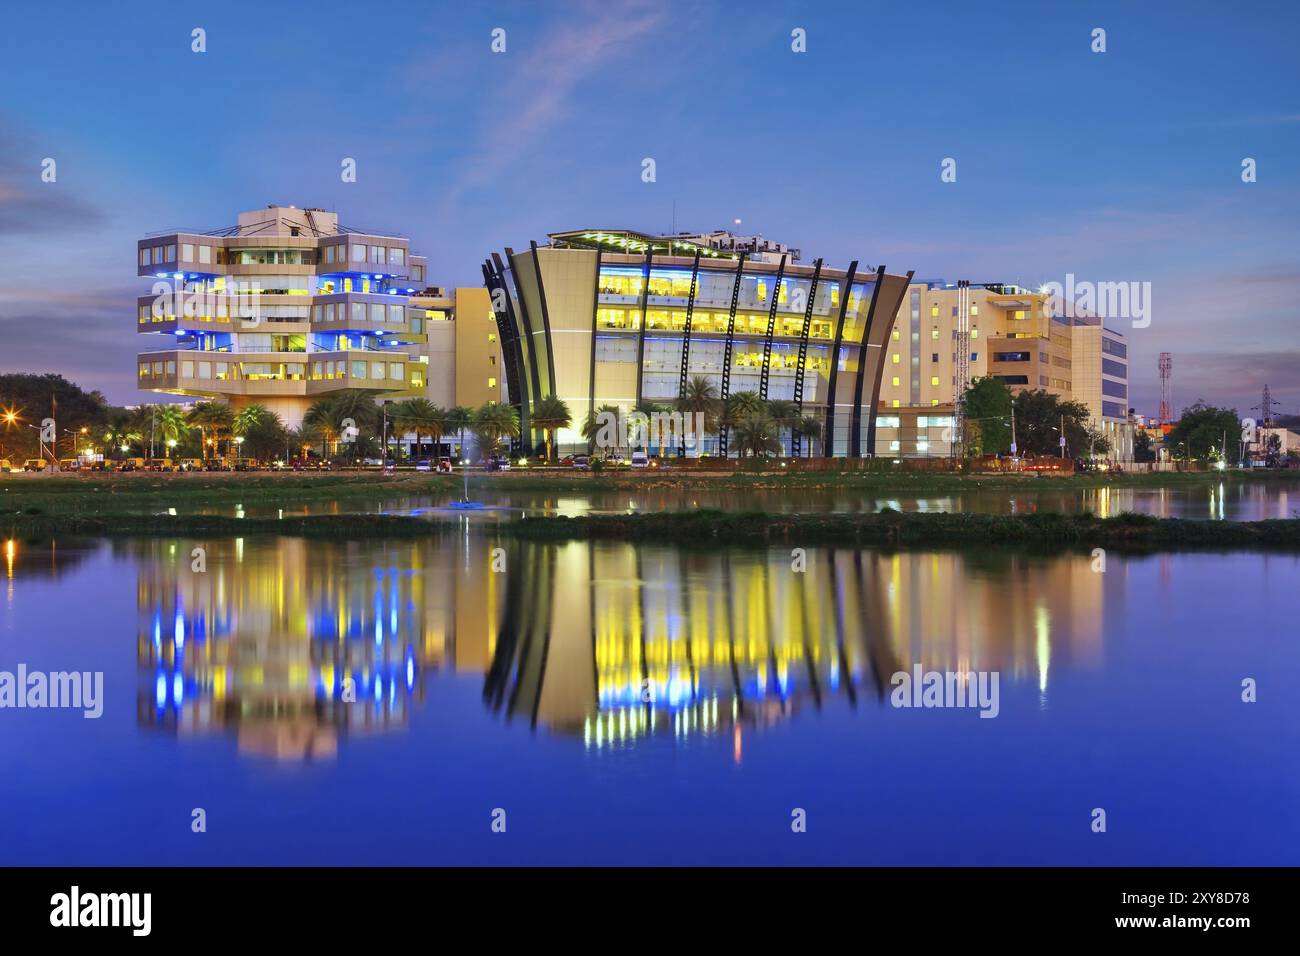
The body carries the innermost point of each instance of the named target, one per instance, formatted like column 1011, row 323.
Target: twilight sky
column 1116, row 166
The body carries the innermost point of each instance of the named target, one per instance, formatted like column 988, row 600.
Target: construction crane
column 1166, row 415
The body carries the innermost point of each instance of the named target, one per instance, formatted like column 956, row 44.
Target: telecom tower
column 1166, row 383
column 963, row 366
column 1265, row 408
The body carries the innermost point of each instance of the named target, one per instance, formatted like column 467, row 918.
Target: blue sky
column 1118, row 166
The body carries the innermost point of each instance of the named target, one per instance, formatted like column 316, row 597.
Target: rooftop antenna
column 1265, row 408
column 963, row 365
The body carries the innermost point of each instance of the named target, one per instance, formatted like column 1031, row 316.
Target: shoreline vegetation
column 18, row 492
column 711, row 529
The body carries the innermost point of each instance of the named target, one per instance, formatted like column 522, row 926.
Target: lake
column 645, row 705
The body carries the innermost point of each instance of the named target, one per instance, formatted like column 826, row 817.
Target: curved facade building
column 622, row 318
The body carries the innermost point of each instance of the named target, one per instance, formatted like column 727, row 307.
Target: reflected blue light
column 160, row 690
column 178, row 689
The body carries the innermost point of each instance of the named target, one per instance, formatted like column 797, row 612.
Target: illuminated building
column 1018, row 336
column 623, row 318
column 288, row 306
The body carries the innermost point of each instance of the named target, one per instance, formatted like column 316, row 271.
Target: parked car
column 423, row 464
column 640, row 460
column 581, row 462
column 69, row 464
column 7, row 466
column 499, row 463
column 33, row 464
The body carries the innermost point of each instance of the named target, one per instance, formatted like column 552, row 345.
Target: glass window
column 376, row 312
column 144, row 256
column 358, row 253
column 377, row 369
column 397, row 256
column 187, row 369
column 205, row 370
column 358, row 312
column 377, row 255
column 187, row 252
column 396, row 313
column 396, row 370
column 205, row 255
column 358, row 369
column 330, row 252
column 171, row 254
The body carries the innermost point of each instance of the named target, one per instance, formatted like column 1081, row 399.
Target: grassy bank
column 702, row 528
column 106, row 493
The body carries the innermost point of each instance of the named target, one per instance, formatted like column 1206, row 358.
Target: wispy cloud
column 30, row 206
column 544, row 77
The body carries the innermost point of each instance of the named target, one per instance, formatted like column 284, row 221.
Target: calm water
column 1246, row 501
column 523, row 690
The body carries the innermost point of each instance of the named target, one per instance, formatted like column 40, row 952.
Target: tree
column 756, row 433
column 33, row 398
column 596, row 423
column 549, row 415
column 493, row 422
column 1039, row 416
column 459, row 420
column 699, row 399
column 333, row 416
column 212, row 419
column 809, row 427
column 785, row 415
column 423, row 417
column 1143, row 447
column 1202, row 432
column 741, row 405
column 265, row 436
column 987, row 412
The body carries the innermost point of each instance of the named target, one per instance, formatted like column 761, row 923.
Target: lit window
column 895, row 381
column 895, row 335
column 934, row 379
column 934, row 333
column 895, row 403
column 492, row 383
column 934, row 401
column 895, row 359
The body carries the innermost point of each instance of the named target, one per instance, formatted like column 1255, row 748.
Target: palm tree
column 595, row 423
column 211, row 419
column 809, row 427
column 170, row 424
column 459, row 419
column 423, row 417
column 756, row 433
column 493, row 422
column 784, row 414
column 741, row 405
column 333, row 415
column 550, row 414
column 248, row 418
column 700, row 400
column 653, row 412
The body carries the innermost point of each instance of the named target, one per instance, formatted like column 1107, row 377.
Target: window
column 934, row 311
column 397, row 371
column 187, row 251
column 376, row 312
column 396, row 313
column 894, row 358
column 171, row 254
column 974, row 333
column 358, row 369
column 187, row 369
column 934, row 356
column 934, row 379
column 934, row 334
column 396, row 256
column 377, row 256
column 895, row 335
column 377, row 370
column 146, row 256
column 894, row 381
column 358, row 253
column 205, row 369
column 205, row 255
column 895, row 403
column 492, row 382
column 358, row 313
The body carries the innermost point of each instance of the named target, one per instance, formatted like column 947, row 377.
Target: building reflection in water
column 607, row 643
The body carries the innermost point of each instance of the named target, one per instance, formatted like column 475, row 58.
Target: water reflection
column 292, row 645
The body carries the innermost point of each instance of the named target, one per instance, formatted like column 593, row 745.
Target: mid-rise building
column 1024, row 338
column 280, row 309
column 622, row 318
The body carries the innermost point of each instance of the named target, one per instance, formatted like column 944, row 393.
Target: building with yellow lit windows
column 288, row 306
column 1023, row 338
column 623, row 318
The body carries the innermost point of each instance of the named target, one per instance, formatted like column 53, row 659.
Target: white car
column 640, row 460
